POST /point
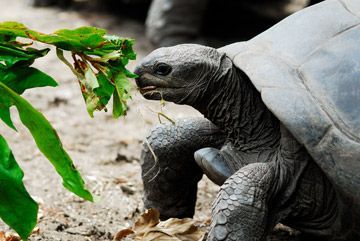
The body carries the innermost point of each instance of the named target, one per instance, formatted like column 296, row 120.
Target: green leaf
column 121, row 94
column 12, row 54
column 88, row 36
column 13, row 29
column 127, row 49
column 95, row 55
column 5, row 115
column 118, row 108
column 99, row 64
column 47, row 141
column 105, row 89
column 17, row 208
column 20, row 79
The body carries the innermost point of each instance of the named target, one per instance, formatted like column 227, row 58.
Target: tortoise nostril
column 138, row 70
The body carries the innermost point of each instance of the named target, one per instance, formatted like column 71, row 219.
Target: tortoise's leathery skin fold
column 288, row 188
column 170, row 182
column 236, row 107
column 315, row 209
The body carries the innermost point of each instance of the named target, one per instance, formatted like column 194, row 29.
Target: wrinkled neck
column 232, row 103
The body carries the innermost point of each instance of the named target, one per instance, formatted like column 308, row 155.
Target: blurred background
column 107, row 151
column 210, row 22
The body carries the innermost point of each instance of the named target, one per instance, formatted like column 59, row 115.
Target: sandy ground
column 106, row 151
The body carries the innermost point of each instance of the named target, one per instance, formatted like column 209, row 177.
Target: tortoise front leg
column 259, row 194
column 241, row 209
column 169, row 171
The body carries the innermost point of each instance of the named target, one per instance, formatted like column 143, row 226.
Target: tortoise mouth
column 147, row 89
column 152, row 92
column 152, row 87
column 148, row 81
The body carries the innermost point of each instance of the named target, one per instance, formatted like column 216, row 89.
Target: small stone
column 127, row 189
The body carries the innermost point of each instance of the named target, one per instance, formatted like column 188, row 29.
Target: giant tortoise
column 281, row 131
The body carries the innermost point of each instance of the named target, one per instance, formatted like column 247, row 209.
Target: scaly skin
column 170, row 182
column 269, row 176
column 304, row 198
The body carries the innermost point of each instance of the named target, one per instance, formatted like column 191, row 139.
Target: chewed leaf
column 91, row 81
column 148, row 227
column 92, row 103
column 95, row 55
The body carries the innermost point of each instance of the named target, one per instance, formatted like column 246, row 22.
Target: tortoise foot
column 213, row 164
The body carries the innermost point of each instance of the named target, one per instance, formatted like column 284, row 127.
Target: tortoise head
column 179, row 74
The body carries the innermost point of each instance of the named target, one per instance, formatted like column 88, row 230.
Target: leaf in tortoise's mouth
column 146, row 89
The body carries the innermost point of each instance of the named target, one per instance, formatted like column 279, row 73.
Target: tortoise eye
column 162, row 69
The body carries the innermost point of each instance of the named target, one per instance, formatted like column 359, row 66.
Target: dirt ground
column 106, row 151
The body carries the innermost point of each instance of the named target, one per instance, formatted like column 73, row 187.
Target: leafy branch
column 98, row 62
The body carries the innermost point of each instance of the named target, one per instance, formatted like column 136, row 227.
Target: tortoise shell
column 307, row 68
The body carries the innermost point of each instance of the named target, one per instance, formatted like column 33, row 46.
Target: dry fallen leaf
column 121, row 234
column 149, row 228
column 9, row 236
column 147, row 220
column 36, row 230
column 2, row 236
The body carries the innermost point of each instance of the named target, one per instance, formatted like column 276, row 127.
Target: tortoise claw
column 213, row 164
